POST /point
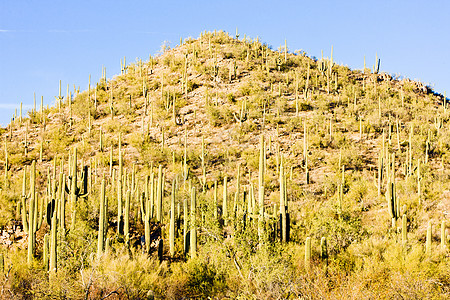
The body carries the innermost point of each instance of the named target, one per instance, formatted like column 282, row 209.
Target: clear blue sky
column 44, row 41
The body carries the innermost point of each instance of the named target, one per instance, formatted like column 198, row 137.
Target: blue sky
column 42, row 42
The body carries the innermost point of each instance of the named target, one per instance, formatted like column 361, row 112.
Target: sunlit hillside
column 222, row 168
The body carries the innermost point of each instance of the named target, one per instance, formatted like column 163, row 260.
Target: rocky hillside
column 360, row 159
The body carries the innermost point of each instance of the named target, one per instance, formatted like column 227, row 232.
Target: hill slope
column 359, row 149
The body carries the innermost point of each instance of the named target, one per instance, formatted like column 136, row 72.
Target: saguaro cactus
column 146, row 210
column 101, row 221
column 159, row 194
column 262, row 157
column 391, row 200
column 107, row 245
column 324, row 249
column 225, row 201
column 62, row 203
column 284, row 225
column 45, row 252
column 172, row 221
column 101, row 139
column 185, row 227
column 307, row 252
column 193, row 237
column 31, row 221
column 23, row 198
column 404, row 229
column 75, row 192
column 215, row 200
column 119, row 189
column 6, row 166
column 126, row 226
column 53, row 244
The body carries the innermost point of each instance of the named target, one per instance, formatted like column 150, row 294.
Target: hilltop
column 360, row 158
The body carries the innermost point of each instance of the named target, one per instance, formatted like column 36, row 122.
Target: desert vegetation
column 225, row 169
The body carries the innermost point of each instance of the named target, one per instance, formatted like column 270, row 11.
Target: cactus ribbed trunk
column 53, row 244
column 32, row 214
column 159, row 195
column 24, row 196
column 261, row 177
column 283, row 205
column 119, row 189
column 185, row 227
column 225, row 201
column 147, row 214
column 101, row 221
column 73, row 187
column 45, row 249
column 193, row 237
column 126, row 226
column 62, row 204
column 262, row 165
column 215, row 200
column 404, row 229
column 324, row 250
column 172, row 222
column 307, row 252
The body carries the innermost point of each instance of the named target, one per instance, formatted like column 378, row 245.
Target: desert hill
column 359, row 159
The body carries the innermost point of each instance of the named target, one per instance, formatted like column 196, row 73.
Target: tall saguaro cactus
column 324, row 250
column 215, row 200
column 75, row 192
column 31, row 221
column 185, row 227
column 172, row 221
column 193, row 233
column 284, row 216
column 45, row 251
column 404, row 229
column 225, row 201
column 146, row 210
column 159, row 194
column 126, row 226
column 53, row 244
column 307, row 252
column 262, row 157
column 119, row 189
column 6, row 165
column 101, row 221
column 23, row 198
column 62, row 202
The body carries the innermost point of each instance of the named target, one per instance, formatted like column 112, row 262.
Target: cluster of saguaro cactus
column 75, row 191
column 31, row 220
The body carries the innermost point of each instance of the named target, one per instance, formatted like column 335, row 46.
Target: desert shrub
column 202, row 279
column 60, row 140
column 219, row 116
column 341, row 229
